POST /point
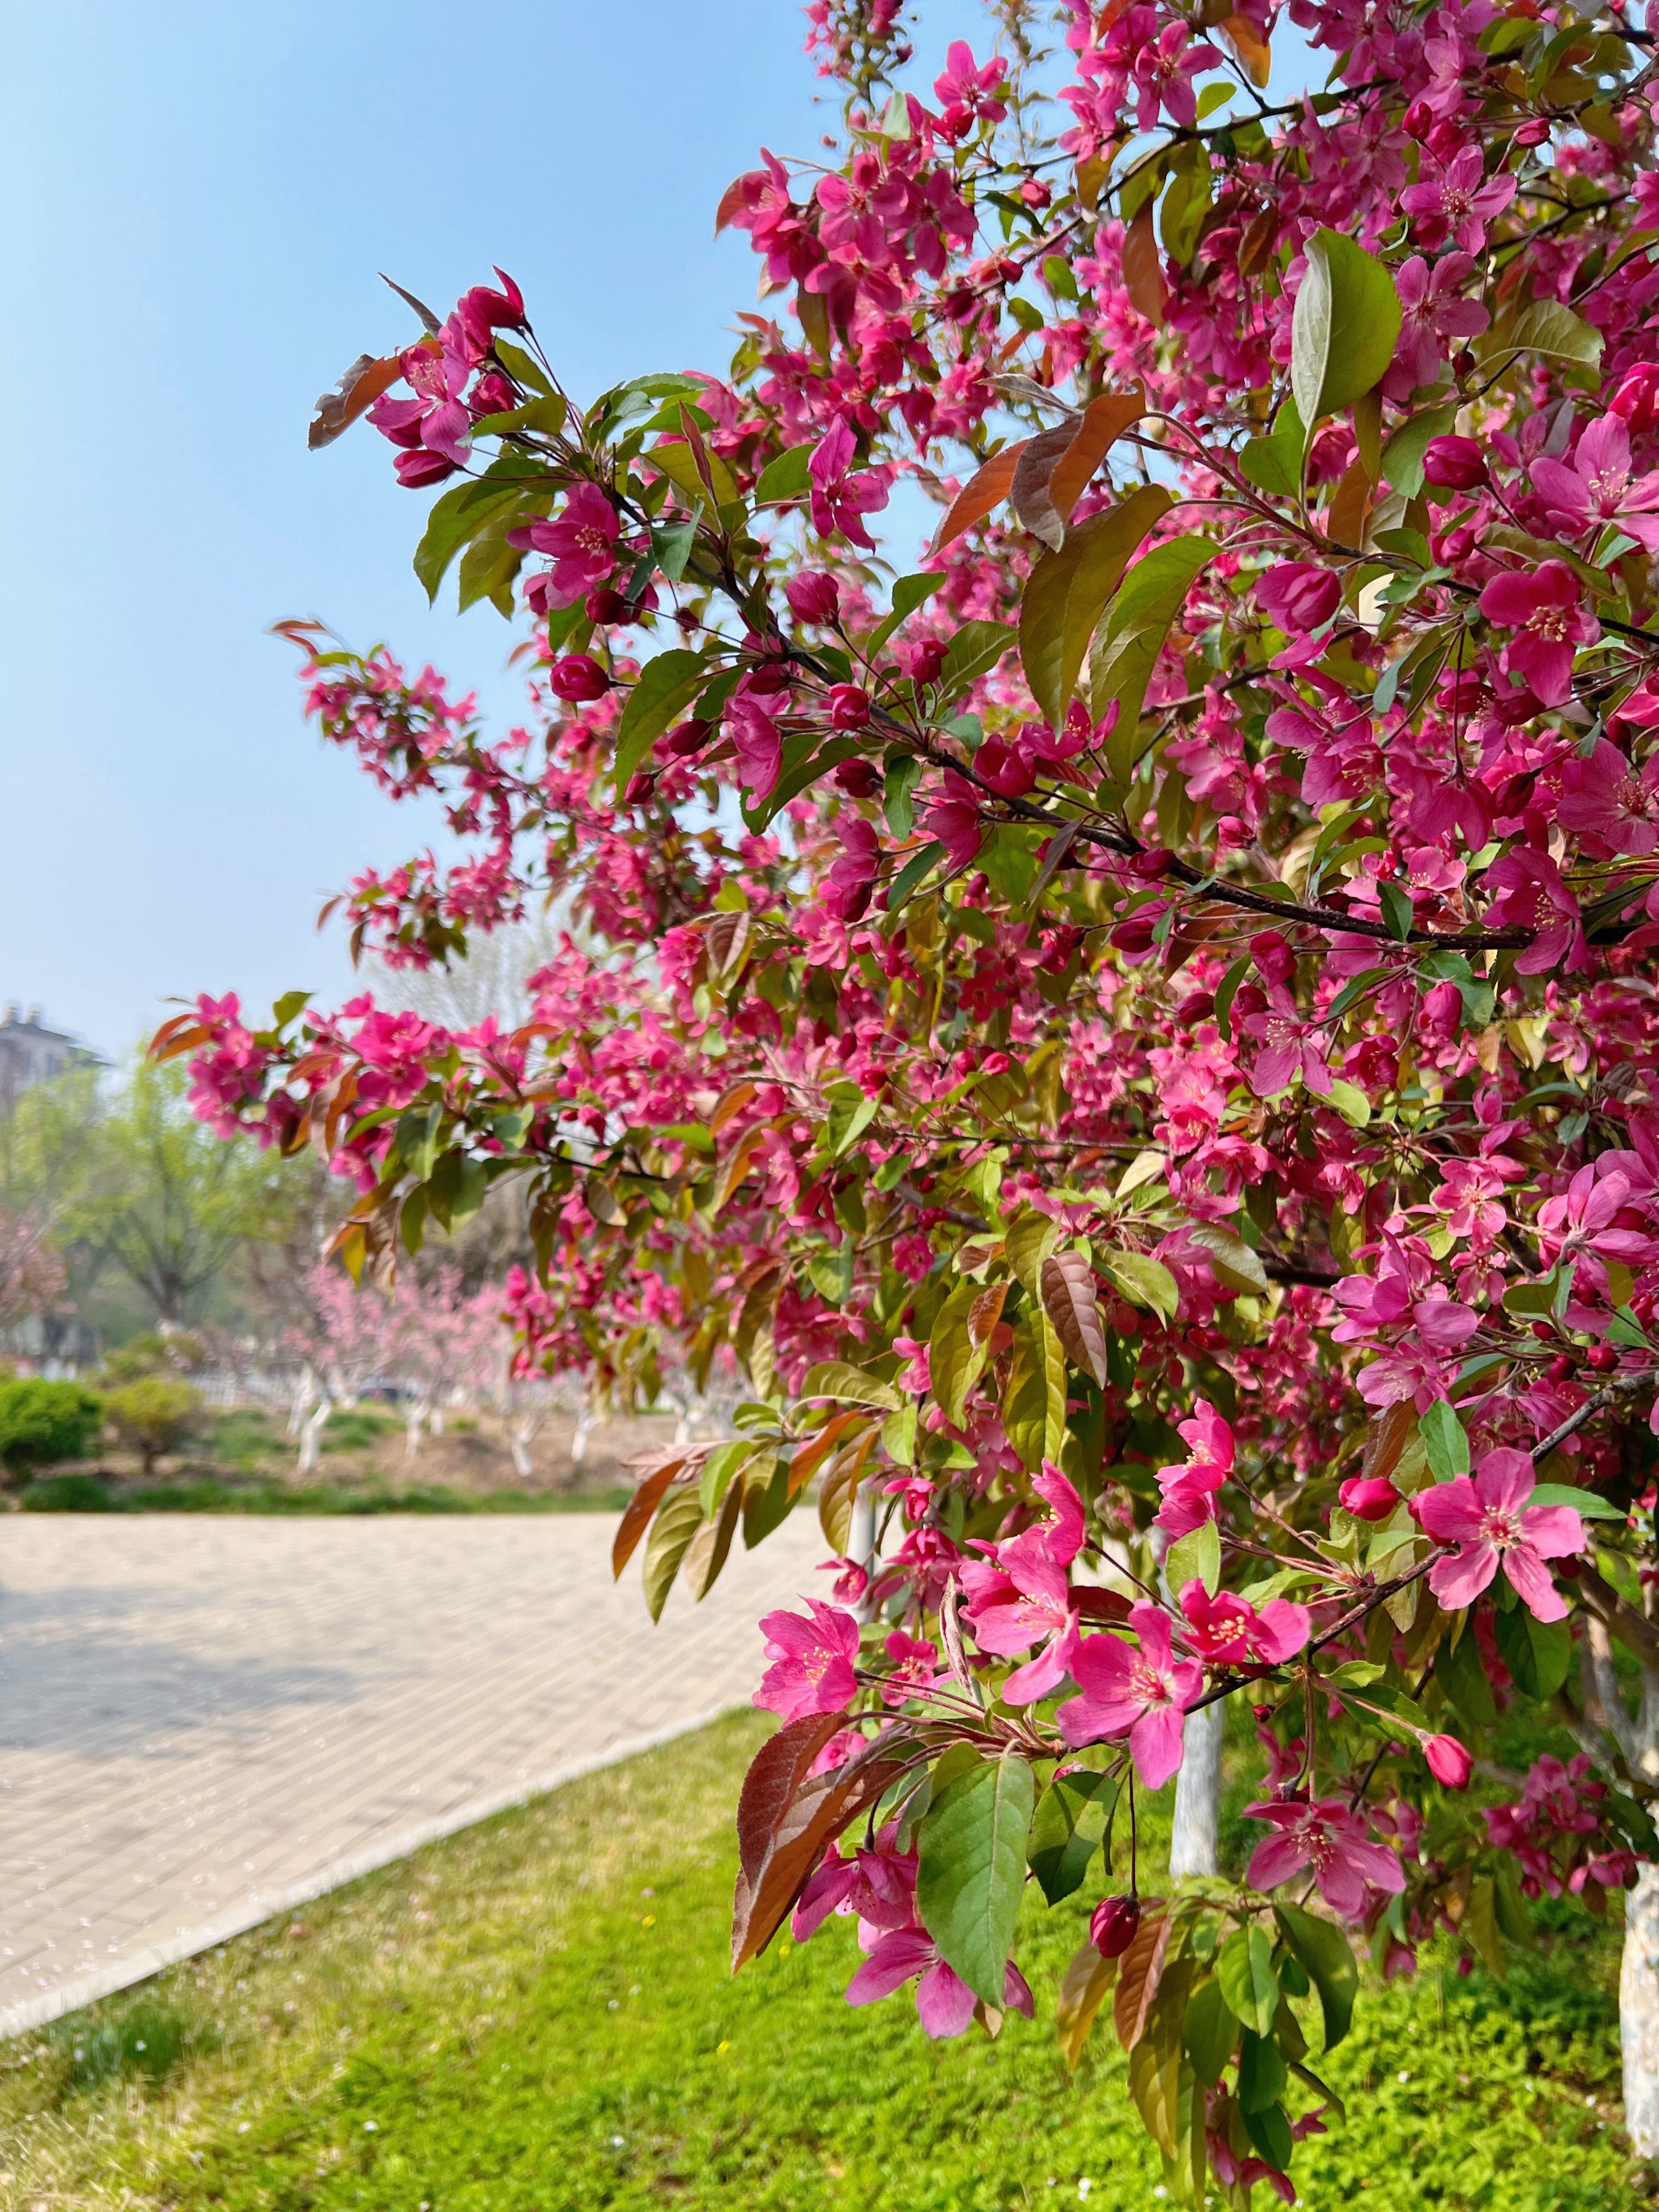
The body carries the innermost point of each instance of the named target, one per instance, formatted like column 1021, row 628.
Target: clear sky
column 198, row 198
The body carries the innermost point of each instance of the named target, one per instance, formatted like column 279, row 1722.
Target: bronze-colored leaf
column 1255, row 248
column 983, row 490
column 1143, row 271
column 986, row 1312
column 369, row 376
column 1083, row 1990
column 1139, row 1972
column 1104, row 420
column 727, row 939
column 636, row 1514
column 706, row 1554
column 1069, row 1301
column 1254, row 52
column 429, row 322
column 1350, row 505
column 1029, row 493
column 774, row 1871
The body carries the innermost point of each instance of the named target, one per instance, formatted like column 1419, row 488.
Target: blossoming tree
column 1138, row 1035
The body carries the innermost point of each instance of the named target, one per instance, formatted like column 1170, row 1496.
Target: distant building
column 30, row 1053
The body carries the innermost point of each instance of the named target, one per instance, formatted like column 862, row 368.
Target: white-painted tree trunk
column 586, row 1421
column 416, row 1412
column 519, row 1434
column 1192, row 1845
column 1638, row 1739
column 311, row 1436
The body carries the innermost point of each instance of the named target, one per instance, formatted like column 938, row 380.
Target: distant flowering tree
column 32, row 1276
column 1141, row 1035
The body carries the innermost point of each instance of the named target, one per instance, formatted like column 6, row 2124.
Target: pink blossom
column 945, row 2003
column 481, row 311
column 1530, row 895
column 1328, row 1837
column 1607, row 797
column 1189, row 1489
column 1369, row 1498
column 1226, row 1630
column 953, row 819
column 759, row 744
column 1487, row 1519
column 1290, row 1046
column 840, row 499
column 1598, row 486
column 1139, row 1690
column 582, row 542
column 812, row 1661
column 1545, row 608
column 434, row 428
column 1022, row 1596
column 1433, row 308
column 1297, row 596
column 915, row 1662
column 1448, row 1761
column 1455, row 204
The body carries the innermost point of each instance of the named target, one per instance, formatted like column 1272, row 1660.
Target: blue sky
column 198, row 200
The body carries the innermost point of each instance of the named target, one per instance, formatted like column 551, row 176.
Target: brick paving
column 205, row 1721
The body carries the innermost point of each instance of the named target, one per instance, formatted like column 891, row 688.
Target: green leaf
column 1547, row 327
column 1008, row 857
column 1445, row 1442
column 1127, row 648
column 955, row 1362
column 1344, row 328
column 490, row 563
column 766, row 1499
column 667, row 686
column 910, row 875
column 971, row 1869
column 453, row 520
column 679, row 1519
column 718, row 1469
column 1273, row 463
column 1262, row 2074
column 1459, row 1671
column 1244, row 1968
column 1195, row 1556
column 972, row 652
column 1231, row 1259
column 1397, row 907
column 1584, row 1502
column 1538, row 1653
column 909, row 593
column 1034, row 1397
column 1031, row 1238
column 1326, row 1956
column 1144, row 1281
column 1209, row 2031
column 1402, row 457
column 1073, row 1821
column 1266, row 2125
column 787, row 478
column 1068, row 592
column 835, row 1378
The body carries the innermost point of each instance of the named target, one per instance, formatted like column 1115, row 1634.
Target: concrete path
column 205, row 1721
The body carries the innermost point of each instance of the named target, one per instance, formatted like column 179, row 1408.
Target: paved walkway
column 204, row 1720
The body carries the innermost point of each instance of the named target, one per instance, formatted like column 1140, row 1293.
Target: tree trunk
column 518, row 1433
column 415, row 1414
column 1198, row 1793
column 585, row 1421
column 1639, row 1972
column 311, row 1436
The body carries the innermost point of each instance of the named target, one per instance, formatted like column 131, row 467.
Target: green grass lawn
column 537, row 2014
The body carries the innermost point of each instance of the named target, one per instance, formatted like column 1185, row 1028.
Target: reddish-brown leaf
column 1082, row 1992
column 1386, row 1436
column 1350, row 505
column 356, row 391
column 733, row 200
column 732, row 1103
column 1256, row 248
column 1068, row 1283
column 182, row 1034
column 1254, row 55
column 785, row 1849
column 636, row 1514
column 1143, row 269
column 981, row 492
column 1029, row 494
column 1139, row 1972
column 986, row 1312
column 1104, row 420
column 811, row 1456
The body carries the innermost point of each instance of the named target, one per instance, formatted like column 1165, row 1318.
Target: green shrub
column 150, row 1354
column 357, row 1427
column 153, row 1415
column 67, row 1493
column 41, row 1422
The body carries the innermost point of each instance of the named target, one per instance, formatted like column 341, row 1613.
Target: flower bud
column 859, row 779
column 577, row 677
column 689, row 738
column 1448, row 1763
column 849, row 706
column 1637, row 396
column 1454, row 464
column 1559, row 1368
column 1003, row 769
column 1297, row 596
column 927, row 662
column 604, row 603
column 1368, row 1497
column 1153, row 865
column 639, row 787
column 1113, row 1923
column 1442, row 1003
column 1532, row 132
column 813, row 596
column 1601, row 1358
column 1418, row 120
